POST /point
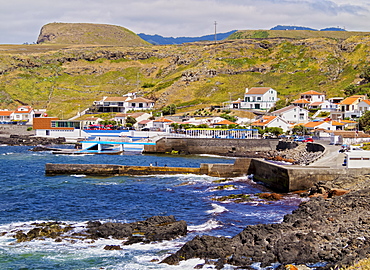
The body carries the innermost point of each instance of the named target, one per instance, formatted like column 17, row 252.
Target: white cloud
column 21, row 20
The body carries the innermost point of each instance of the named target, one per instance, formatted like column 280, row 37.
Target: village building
column 54, row 127
column 313, row 96
column 364, row 106
column 23, row 114
column 257, row 98
column 145, row 124
column 313, row 125
column 120, row 118
column 302, row 103
column 222, row 123
column 162, row 124
column 6, row 116
column 292, row 114
column 348, row 108
column 123, row 104
column 271, row 121
column 91, row 121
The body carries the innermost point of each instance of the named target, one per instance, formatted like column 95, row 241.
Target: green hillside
column 88, row 33
column 294, row 34
column 61, row 77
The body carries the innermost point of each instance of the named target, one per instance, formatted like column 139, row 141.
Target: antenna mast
column 215, row 32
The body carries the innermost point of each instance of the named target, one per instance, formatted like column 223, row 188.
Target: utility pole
column 215, row 32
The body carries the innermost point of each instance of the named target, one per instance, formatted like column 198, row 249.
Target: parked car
column 299, row 139
column 303, row 139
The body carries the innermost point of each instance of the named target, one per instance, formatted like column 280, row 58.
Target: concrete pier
column 280, row 178
column 239, row 168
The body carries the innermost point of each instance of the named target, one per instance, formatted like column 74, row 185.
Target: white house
column 139, row 116
column 313, row 96
column 24, row 114
column 123, row 104
column 364, row 106
column 271, row 121
column 258, row 98
column 162, row 123
column 349, row 106
column 6, row 116
column 91, row 121
column 139, row 104
column 292, row 114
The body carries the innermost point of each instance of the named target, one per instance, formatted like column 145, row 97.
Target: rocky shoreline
column 331, row 230
column 17, row 140
column 327, row 232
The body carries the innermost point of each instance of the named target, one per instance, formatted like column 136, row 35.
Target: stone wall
column 233, row 147
column 292, row 178
column 6, row 130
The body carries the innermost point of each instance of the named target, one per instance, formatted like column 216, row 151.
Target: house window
column 258, row 98
column 141, row 105
column 133, row 105
column 247, row 99
column 120, row 104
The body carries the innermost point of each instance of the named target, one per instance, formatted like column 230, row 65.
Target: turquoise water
column 28, row 196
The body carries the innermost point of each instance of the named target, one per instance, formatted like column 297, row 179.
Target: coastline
column 331, row 230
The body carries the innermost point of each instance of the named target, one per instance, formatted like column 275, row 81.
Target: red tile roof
column 163, row 120
column 312, row 92
column 5, row 113
column 258, row 90
column 264, row 121
column 225, row 122
column 300, row 101
column 115, row 99
column 140, row 99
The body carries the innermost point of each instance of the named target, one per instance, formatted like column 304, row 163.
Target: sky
column 22, row 20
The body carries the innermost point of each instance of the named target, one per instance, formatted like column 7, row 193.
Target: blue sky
column 21, row 20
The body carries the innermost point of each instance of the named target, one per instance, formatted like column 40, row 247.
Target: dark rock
column 14, row 139
column 155, row 228
column 112, row 247
column 334, row 231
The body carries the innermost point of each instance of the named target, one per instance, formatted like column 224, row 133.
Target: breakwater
column 239, row 168
column 277, row 177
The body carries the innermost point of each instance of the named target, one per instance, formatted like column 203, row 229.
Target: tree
column 364, row 121
column 175, row 126
column 299, row 129
column 130, row 120
column 228, row 117
column 276, row 131
column 366, row 74
column 169, row 109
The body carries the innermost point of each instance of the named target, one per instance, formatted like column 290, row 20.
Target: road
column 332, row 157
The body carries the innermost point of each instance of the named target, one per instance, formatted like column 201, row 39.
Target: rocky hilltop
column 88, row 33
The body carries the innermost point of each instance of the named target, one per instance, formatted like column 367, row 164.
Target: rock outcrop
column 30, row 140
column 88, row 33
column 156, row 228
column 333, row 232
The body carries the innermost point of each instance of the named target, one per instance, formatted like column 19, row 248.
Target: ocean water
column 28, row 196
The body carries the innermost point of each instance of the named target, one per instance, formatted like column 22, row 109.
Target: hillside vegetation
column 295, row 34
column 60, row 77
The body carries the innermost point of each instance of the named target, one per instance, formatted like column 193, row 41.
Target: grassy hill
column 59, row 77
column 88, row 33
column 295, row 34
